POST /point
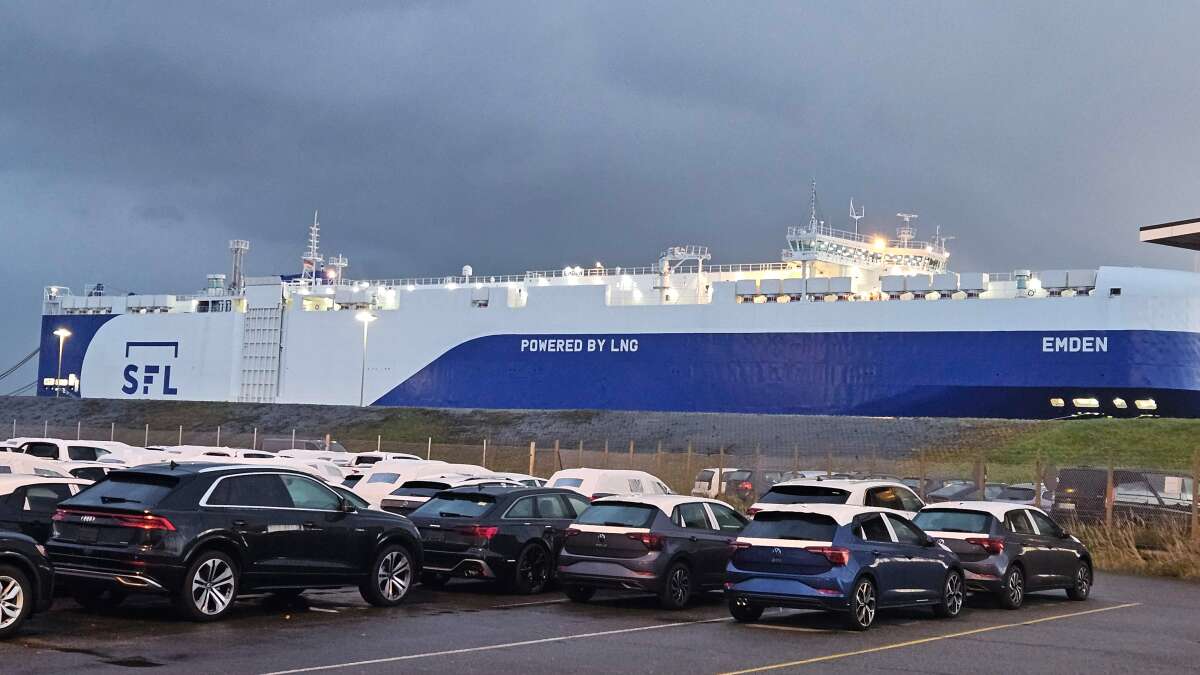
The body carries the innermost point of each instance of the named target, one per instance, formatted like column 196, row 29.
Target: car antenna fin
column 173, row 465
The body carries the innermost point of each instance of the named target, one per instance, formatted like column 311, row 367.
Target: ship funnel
column 238, row 248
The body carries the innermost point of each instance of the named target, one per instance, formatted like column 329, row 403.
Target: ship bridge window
column 1085, row 403
column 1057, row 403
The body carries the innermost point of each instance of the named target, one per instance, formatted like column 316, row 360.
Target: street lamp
column 62, row 334
column 366, row 318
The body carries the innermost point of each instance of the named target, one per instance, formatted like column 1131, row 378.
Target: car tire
column 677, row 587
column 209, row 587
column 864, row 603
column 390, row 578
column 579, row 593
column 1012, row 588
column 16, row 600
column 532, row 570
column 96, row 598
column 743, row 611
column 435, row 579
column 953, row 596
column 1082, row 587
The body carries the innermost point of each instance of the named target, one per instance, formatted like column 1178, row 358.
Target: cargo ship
column 844, row 323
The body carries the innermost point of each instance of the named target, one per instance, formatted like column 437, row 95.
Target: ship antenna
column 312, row 257
column 906, row 232
column 857, row 216
column 813, row 223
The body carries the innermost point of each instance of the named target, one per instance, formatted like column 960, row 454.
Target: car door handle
column 875, row 553
column 693, row 538
column 239, row 523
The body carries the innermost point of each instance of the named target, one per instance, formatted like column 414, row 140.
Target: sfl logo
column 150, row 372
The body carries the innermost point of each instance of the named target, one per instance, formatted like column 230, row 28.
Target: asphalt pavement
column 1129, row 625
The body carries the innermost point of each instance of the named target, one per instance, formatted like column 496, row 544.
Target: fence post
column 483, row 459
column 688, row 475
column 180, row 434
column 658, row 460
column 429, row 448
column 557, row 454
column 720, row 470
column 293, row 438
column 828, row 462
column 218, row 435
column 606, row 453
column 45, row 428
column 78, row 430
column 1108, row 494
column 14, row 435
column 757, row 458
column 795, row 458
column 631, row 453
column 254, row 440
column 1195, row 497
column 924, row 469
column 146, row 440
column 378, row 442
column 980, row 474
column 532, row 455
column 580, row 453
column 1037, row 481
column 112, row 430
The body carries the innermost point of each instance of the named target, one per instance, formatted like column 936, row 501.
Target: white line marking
column 532, row 604
column 508, row 645
column 798, row 629
column 322, row 609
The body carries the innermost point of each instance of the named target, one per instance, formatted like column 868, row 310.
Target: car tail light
column 484, row 532
column 752, row 510
column 836, row 555
column 141, row 521
column 572, row 532
column 992, row 546
column 650, row 540
column 745, row 485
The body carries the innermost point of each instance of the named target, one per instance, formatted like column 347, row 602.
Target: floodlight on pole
column 365, row 318
column 62, row 334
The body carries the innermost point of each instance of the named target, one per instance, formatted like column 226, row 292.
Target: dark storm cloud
column 136, row 138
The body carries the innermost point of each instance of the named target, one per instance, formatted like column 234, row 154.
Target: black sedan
column 507, row 534
column 1010, row 549
column 204, row 533
column 670, row 545
column 26, row 581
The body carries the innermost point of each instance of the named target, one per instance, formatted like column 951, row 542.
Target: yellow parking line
column 911, row 643
column 798, row 629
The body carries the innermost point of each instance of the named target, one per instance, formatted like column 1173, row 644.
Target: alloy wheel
column 954, row 594
column 12, row 601
column 864, row 603
column 1015, row 588
column 533, row 569
column 1083, row 580
column 394, row 575
column 212, row 586
column 679, row 584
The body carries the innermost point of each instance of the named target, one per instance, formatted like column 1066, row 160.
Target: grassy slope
column 1152, row 443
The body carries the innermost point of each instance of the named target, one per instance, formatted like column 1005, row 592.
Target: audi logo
column 87, row 519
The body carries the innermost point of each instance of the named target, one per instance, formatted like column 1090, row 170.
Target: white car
column 413, row 493
column 707, row 483
column 27, row 503
column 190, row 451
column 326, row 471
column 596, row 483
column 365, row 459
column 57, row 449
column 383, row 477
column 339, row 458
column 20, row 463
column 522, row 478
column 1025, row 493
column 885, row 494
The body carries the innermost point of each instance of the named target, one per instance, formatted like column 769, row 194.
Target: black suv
column 26, row 581
column 508, row 534
column 203, row 533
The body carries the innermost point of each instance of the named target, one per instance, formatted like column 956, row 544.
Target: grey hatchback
column 671, row 545
column 1009, row 549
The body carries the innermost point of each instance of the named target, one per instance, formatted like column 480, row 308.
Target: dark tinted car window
column 951, row 490
column 1016, row 494
column 884, row 498
column 783, row 525
column 383, row 478
column 693, row 516
column 727, row 519
column 307, row 493
column 1016, row 522
column 805, row 494
column 568, row 482
column 261, row 490
column 704, row 476
column 1044, row 524
column 43, row 450
column 936, row 520
column 737, row 476
column 44, row 498
column 522, row 508
column 550, row 506
column 910, row 501
column 579, row 504
column 453, row 504
column 905, row 532
column 873, row 529
column 420, row 488
column 5, row 469
column 92, row 473
column 618, row 514
column 127, row 487
column 82, row 453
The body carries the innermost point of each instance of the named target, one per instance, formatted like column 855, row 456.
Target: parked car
column 1026, row 493
column 886, row 494
column 384, row 477
column 748, row 485
column 848, row 559
column 1138, row 495
column 1008, row 550
column 278, row 444
column 57, row 449
column 340, row 458
column 709, row 484
column 26, row 581
column 364, row 459
column 958, row 492
column 20, row 463
column 671, row 545
column 204, row 534
column 27, row 503
column 596, row 483
column 412, row 494
column 522, row 478
column 508, row 534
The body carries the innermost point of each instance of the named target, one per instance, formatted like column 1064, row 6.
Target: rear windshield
column 805, row 494
column 1016, row 493
column 92, row 473
column 948, row 520
column 704, row 476
column 737, row 475
column 383, row 478
column 142, row 490
column 781, row 525
column 617, row 514
column 365, row 460
column 420, row 488
column 567, row 482
column 950, row 490
column 453, row 505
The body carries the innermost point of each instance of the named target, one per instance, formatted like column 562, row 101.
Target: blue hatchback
column 848, row 559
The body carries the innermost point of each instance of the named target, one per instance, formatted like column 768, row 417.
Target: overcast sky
column 137, row 138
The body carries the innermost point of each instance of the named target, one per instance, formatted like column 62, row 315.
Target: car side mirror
column 929, row 541
column 1063, row 534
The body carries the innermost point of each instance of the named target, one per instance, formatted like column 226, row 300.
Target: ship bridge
column 1180, row 234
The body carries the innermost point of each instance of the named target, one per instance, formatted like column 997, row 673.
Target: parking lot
column 1128, row 624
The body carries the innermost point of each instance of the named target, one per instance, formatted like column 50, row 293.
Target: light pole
column 365, row 318
column 62, row 334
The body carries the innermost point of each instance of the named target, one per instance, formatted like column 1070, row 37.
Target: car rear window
column 782, row 525
column 1016, row 493
column 953, row 520
column 127, row 487
column 383, row 478
column 805, row 494
column 454, row 505
column 359, row 461
column 567, row 482
column 618, row 514
column 704, row 476
column 737, row 475
column 950, row 490
column 420, row 488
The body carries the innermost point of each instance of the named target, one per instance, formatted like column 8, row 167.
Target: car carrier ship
column 845, row 323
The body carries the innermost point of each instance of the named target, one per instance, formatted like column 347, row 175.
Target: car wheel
column 742, row 610
column 1082, row 587
column 209, row 587
column 952, row 596
column 1012, row 588
column 390, row 578
column 16, row 599
column 677, row 587
column 435, row 580
column 579, row 593
column 532, row 571
column 863, row 603
column 96, row 598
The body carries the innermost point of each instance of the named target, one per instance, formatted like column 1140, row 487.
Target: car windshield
column 951, row 490
column 455, row 505
column 785, row 525
column 126, row 487
column 617, row 514
column 383, row 478
column 567, row 482
column 953, row 520
column 420, row 488
column 805, row 494
column 737, row 475
column 1016, row 494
